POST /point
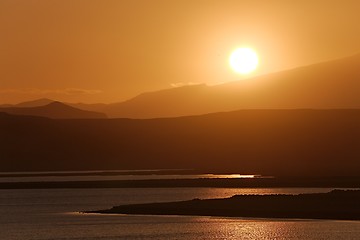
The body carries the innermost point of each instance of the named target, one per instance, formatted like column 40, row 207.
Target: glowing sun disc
column 244, row 60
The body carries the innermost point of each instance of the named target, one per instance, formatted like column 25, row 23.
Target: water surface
column 52, row 214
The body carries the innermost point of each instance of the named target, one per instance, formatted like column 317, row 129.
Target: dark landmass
column 260, row 142
column 337, row 205
column 54, row 110
column 279, row 182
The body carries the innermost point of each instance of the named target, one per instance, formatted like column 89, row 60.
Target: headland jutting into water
column 337, row 204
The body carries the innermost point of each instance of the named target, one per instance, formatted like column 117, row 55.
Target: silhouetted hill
column 96, row 107
column 181, row 101
column 35, row 103
column 328, row 85
column 333, row 84
column 53, row 110
column 32, row 103
column 267, row 142
column 336, row 204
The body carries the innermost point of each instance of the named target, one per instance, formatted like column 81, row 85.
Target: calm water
column 3, row 178
column 51, row 214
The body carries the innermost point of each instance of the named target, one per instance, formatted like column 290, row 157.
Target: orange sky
column 110, row 50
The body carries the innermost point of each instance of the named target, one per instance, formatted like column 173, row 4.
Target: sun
column 244, row 60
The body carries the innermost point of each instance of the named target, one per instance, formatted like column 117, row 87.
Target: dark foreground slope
column 267, row 142
column 337, row 204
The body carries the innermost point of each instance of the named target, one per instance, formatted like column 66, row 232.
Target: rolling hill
column 32, row 103
column 53, row 110
column 327, row 85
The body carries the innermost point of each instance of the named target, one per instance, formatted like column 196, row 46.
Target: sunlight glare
column 244, row 60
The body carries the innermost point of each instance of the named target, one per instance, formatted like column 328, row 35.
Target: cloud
column 181, row 84
column 66, row 91
column 72, row 91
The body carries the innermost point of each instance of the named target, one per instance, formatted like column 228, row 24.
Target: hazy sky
column 110, row 50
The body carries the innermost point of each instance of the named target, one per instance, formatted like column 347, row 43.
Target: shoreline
column 220, row 217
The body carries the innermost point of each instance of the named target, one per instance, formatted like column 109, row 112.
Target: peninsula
column 337, row 205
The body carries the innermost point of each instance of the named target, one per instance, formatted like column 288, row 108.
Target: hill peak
column 35, row 103
column 325, row 85
column 54, row 109
column 57, row 104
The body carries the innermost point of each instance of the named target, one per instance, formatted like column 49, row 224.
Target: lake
column 53, row 214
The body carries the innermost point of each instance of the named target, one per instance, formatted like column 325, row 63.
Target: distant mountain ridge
column 36, row 103
column 95, row 107
column 55, row 110
column 32, row 103
column 326, row 85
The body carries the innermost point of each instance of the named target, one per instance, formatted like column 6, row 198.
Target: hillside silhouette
column 266, row 142
column 52, row 110
column 35, row 103
column 328, row 85
column 31, row 103
column 337, row 204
